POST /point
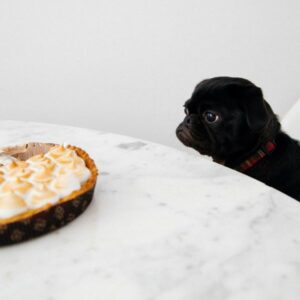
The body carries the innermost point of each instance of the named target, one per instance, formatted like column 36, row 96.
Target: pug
column 228, row 119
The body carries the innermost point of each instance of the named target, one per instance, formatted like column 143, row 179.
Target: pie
column 42, row 187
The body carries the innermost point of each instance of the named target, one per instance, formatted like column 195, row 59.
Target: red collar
column 266, row 149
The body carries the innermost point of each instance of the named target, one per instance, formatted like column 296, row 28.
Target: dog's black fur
column 242, row 123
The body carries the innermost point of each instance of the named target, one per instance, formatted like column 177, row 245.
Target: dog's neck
column 261, row 153
column 262, row 147
column 248, row 160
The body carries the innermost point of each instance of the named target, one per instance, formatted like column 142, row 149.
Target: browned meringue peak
column 76, row 167
column 9, row 167
column 69, row 153
column 15, row 164
column 39, row 159
column 16, row 185
column 65, row 184
column 42, row 176
column 67, row 158
column 16, row 169
column 64, row 160
column 19, row 172
column 71, row 163
column 36, row 158
column 82, row 174
column 41, row 162
column 62, row 172
column 58, row 151
column 11, row 204
column 6, row 158
column 40, row 195
column 10, row 201
column 21, row 164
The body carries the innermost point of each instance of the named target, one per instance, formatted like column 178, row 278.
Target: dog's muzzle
column 184, row 135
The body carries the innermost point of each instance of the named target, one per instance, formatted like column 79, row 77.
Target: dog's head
column 226, row 117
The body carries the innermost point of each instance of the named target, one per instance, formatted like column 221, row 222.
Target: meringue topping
column 11, row 204
column 41, row 195
column 65, row 185
column 17, row 185
column 42, row 179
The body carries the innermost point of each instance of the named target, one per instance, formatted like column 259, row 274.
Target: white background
column 127, row 66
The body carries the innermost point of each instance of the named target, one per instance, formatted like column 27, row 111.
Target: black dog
column 228, row 119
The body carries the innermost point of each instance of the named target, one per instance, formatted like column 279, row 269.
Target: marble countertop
column 163, row 225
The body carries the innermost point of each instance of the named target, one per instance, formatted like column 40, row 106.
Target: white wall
column 127, row 66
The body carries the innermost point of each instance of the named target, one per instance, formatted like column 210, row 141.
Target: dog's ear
column 253, row 104
column 255, row 109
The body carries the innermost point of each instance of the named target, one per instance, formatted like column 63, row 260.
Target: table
column 163, row 225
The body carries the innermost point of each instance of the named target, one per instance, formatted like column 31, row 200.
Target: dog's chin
column 188, row 140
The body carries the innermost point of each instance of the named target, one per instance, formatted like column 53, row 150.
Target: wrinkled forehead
column 216, row 100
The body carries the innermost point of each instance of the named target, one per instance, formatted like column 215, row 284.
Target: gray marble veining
column 163, row 225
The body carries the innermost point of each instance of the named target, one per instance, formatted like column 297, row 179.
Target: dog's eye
column 210, row 117
column 186, row 111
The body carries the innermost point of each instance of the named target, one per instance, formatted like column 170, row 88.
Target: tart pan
column 49, row 217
